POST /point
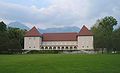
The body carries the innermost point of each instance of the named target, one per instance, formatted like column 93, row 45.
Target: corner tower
column 85, row 39
column 32, row 39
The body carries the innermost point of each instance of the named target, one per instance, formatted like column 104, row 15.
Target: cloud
column 58, row 13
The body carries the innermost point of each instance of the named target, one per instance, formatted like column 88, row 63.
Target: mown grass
column 59, row 63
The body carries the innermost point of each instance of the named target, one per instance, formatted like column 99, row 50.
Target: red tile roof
column 85, row 32
column 60, row 36
column 71, row 36
column 33, row 33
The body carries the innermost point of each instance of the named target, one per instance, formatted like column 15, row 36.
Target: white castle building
column 34, row 40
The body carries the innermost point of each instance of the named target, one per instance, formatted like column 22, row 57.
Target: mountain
column 59, row 30
column 18, row 25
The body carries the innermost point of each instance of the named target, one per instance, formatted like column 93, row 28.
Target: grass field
column 59, row 63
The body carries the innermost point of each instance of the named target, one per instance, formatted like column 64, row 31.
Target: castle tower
column 32, row 39
column 85, row 39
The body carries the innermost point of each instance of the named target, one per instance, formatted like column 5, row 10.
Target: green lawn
column 59, row 63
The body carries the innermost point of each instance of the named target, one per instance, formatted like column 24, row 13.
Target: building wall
column 59, row 45
column 85, row 42
column 32, row 43
column 35, row 43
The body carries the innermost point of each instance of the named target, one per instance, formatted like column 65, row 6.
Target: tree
column 116, row 39
column 103, row 30
column 2, row 26
column 11, row 39
column 15, row 33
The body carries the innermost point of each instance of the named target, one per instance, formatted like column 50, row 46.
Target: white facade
column 85, row 42
column 35, row 43
column 32, row 43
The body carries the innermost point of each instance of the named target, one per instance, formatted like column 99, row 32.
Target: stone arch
column 62, row 47
column 46, row 47
column 54, row 47
column 50, row 47
column 58, row 47
column 42, row 47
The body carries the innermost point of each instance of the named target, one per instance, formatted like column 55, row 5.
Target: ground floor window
column 58, row 47
column 50, row 47
column 46, row 47
column 62, row 48
column 54, row 47
column 42, row 47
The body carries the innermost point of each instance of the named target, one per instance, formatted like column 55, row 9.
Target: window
column 82, row 46
column 87, row 46
column 62, row 47
column 46, row 47
column 75, row 47
column 29, row 47
column 70, row 47
column 50, row 47
column 58, row 47
column 54, row 47
column 34, row 46
column 42, row 47
column 66, row 47
column 34, row 38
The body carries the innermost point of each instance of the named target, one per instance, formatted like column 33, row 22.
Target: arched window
column 54, row 47
column 50, row 47
column 58, row 47
column 75, row 47
column 62, row 47
column 66, row 47
column 46, row 47
column 70, row 47
column 42, row 47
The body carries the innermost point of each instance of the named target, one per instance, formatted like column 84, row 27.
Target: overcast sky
column 58, row 13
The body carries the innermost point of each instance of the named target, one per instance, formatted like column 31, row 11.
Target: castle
column 34, row 40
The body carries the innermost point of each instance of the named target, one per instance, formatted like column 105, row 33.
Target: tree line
column 106, row 36
column 11, row 39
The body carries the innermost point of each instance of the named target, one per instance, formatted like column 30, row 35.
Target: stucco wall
column 85, row 42
column 59, row 43
column 32, row 43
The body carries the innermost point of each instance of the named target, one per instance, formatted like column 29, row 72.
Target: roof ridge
column 33, row 32
column 85, row 31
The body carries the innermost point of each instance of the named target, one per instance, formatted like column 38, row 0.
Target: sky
column 58, row 13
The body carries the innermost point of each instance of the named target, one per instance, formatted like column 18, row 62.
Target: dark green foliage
column 104, row 33
column 116, row 40
column 2, row 26
column 11, row 39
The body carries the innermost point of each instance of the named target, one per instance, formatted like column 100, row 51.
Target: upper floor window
column 87, row 46
column 82, row 46
column 34, row 38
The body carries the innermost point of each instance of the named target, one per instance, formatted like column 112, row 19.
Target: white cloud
column 60, row 12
